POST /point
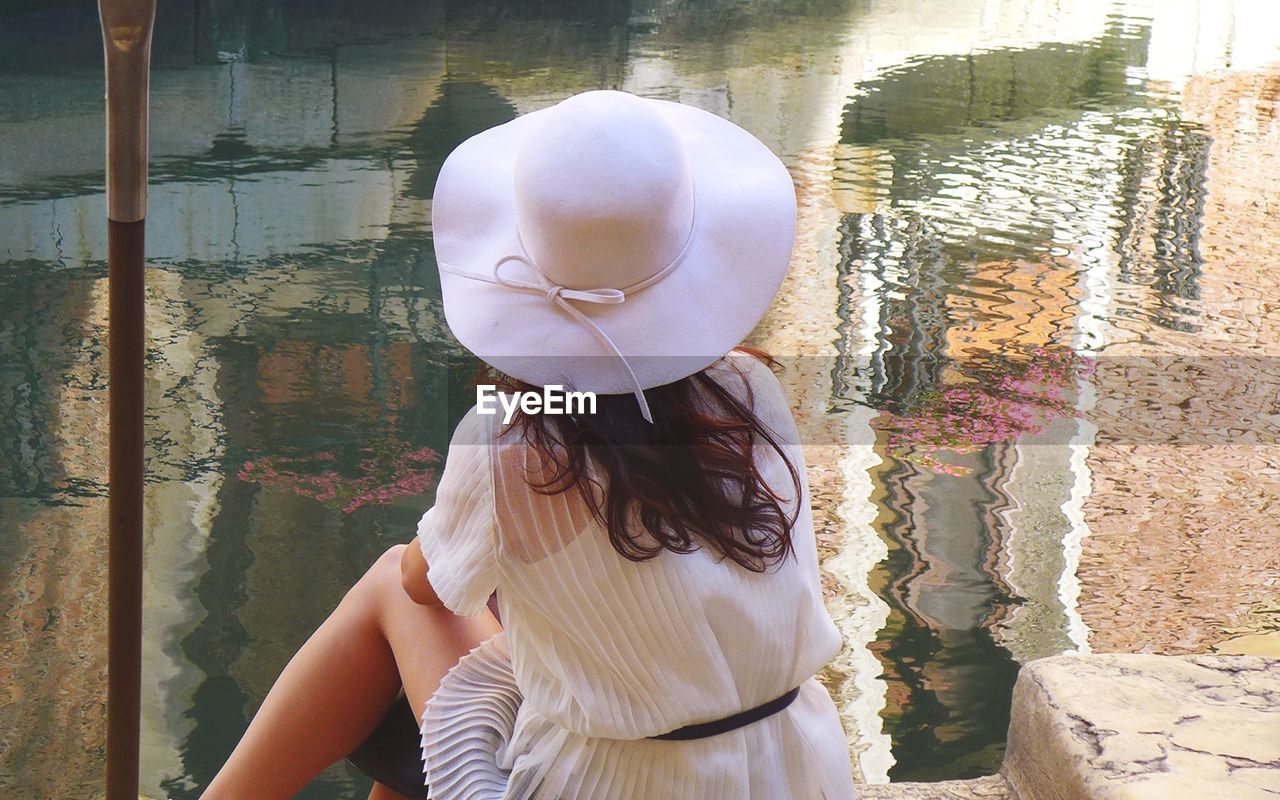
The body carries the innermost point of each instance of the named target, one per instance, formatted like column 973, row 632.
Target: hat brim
column 739, row 251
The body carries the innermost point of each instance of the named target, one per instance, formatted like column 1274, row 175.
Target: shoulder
column 753, row 380
column 474, row 428
column 470, row 445
column 753, row 371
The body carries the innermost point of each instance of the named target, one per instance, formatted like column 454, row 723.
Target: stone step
column 1146, row 727
column 991, row 788
column 1132, row 727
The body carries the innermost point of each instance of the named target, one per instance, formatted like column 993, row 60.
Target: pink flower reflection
column 384, row 474
column 964, row 418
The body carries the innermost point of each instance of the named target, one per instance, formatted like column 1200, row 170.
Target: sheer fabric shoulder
column 534, row 525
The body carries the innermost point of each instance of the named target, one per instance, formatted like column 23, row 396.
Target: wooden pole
column 126, row 36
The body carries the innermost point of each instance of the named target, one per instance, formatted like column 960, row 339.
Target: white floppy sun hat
column 610, row 243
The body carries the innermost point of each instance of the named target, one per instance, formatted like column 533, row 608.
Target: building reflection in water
column 979, row 184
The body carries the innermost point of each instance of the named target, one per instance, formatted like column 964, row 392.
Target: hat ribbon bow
column 564, row 298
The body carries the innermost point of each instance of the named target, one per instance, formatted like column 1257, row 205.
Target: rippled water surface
column 1010, row 211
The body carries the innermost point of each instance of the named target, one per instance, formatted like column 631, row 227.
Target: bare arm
column 413, row 576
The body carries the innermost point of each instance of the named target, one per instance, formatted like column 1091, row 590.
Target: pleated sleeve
column 457, row 534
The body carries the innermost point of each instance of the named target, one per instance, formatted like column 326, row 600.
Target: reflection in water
column 991, row 194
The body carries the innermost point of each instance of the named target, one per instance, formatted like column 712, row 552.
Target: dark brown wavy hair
column 690, row 478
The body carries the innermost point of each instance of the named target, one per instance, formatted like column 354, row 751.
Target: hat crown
column 603, row 191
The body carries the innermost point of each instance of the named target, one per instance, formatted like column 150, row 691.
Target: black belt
column 743, row 718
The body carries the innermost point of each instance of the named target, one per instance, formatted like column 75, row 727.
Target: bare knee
column 390, row 559
column 375, row 587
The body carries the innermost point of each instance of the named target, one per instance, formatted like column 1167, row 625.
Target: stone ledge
column 1144, row 727
column 992, row 788
column 1132, row 727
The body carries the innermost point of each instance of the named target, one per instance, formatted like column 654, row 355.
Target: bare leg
column 336, row 688
column 381, row 792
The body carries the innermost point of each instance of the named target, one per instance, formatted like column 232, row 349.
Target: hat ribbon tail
column 561, row 297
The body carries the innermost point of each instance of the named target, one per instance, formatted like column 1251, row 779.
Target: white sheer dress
column 599, row 652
